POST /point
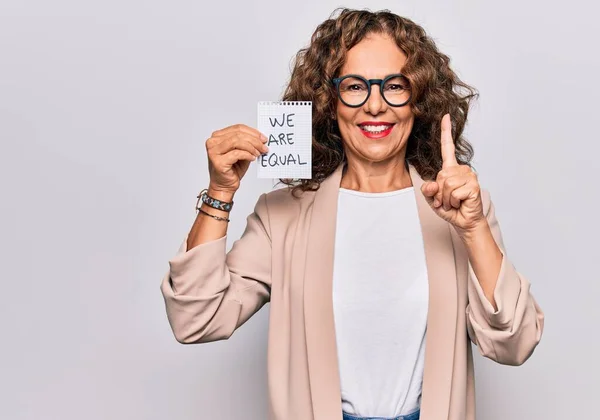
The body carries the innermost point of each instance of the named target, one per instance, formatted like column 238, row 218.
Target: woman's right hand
column 230, row 151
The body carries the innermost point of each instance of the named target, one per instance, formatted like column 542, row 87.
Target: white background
column 104, row 110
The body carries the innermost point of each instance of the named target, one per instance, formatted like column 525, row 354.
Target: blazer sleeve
column 209, row 293
column 510, row 334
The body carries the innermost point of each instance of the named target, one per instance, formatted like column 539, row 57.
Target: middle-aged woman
column 381, row 269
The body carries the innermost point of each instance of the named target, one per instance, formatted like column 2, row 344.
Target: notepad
column 288, row 127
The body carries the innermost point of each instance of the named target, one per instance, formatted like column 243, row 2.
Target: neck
column 376, row 176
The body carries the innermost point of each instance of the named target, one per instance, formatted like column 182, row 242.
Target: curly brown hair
column 436, row 90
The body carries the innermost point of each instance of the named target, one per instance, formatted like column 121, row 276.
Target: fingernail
column 436, row 202
column 263, row 137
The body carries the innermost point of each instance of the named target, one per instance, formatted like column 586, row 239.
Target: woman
column 383, row 268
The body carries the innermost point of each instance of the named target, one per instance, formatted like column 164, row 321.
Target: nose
column 375, row 104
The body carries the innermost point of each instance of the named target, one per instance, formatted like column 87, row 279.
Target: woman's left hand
column 455, row 194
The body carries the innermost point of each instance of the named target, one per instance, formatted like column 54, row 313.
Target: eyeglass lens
column 354, row 91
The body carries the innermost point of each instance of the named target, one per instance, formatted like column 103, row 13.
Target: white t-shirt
column 380, row 300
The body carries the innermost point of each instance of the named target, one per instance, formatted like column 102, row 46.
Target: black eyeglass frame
column 381, row 82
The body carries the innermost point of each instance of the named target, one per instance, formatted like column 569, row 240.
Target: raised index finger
column 448, row 151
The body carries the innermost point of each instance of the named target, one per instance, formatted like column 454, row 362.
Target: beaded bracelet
column 213, row 202
column 224, row 219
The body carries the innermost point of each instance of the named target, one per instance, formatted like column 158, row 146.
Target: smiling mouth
column 378, row 129
column 372, row 128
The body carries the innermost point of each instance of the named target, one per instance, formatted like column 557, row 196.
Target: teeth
column 374, row 128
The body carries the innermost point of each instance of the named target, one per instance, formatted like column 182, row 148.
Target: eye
column 395, row 86
column 357, row 87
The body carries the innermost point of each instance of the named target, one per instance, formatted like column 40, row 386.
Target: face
column 375, row 57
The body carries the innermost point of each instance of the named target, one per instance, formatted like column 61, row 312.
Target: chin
column 377, row 157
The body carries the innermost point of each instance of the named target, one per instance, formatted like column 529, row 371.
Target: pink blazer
column 285, row 257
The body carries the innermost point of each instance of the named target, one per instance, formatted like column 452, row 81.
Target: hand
column 455, row 194
column 230, row 151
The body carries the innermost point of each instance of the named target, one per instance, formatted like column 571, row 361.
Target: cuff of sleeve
column 506, row 295
column 206, row 260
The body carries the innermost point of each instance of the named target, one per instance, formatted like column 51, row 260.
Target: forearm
column 210, row 292
column 206, row 228
column 485, row 258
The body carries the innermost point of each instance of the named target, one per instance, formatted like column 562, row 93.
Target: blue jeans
column 412, row 416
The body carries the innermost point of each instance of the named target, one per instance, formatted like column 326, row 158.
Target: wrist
column 477, row 231
column 220, row 194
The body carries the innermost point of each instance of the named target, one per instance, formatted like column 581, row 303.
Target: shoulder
column 277, row 210
column 280, row 208
column 282, row 200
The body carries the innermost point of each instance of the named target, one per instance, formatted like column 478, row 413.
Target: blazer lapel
column 443, row 308
column 323, row 366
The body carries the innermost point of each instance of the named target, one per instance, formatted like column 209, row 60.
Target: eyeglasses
column 355, row 90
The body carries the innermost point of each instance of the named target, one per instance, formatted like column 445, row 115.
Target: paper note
column 288, row 127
